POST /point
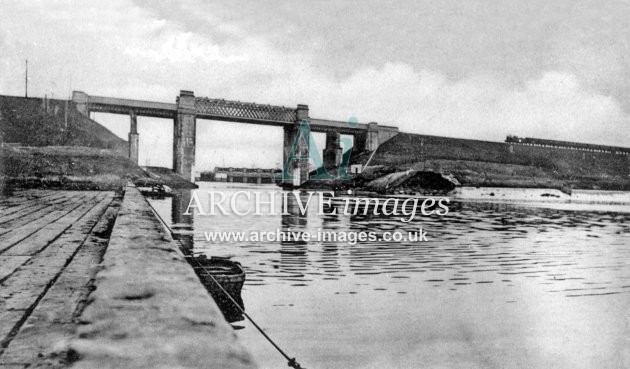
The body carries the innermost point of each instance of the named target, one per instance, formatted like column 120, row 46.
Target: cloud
column 555, row 105
column 123, row 49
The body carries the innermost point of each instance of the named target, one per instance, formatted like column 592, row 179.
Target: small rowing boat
column 229, row 275
column 157, row 190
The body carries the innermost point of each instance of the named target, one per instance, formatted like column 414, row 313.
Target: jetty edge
column 149, row 309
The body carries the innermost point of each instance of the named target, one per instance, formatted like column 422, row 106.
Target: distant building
column 241, row 175
column 356, row 168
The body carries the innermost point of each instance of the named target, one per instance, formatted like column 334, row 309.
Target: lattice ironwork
column 243, row 110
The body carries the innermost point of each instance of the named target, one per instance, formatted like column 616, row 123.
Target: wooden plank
column 28, row 215
column 31, row 344
column 8, row 264
column 53, row 320
column 17, row 203
column 25, row 201
column 11, row 238
column 43, row 237
column 9, row 210
column 20, row 291
column 25, row 284
column 63, row 199
column 13, row 220
column 18, row 197
column 8, row 318
column 6, row 218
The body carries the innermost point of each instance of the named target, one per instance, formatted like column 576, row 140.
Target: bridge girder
column 189, row 108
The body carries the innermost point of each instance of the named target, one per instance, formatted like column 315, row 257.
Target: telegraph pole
column 26, row 80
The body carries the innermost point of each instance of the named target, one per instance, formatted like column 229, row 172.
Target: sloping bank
column 149, row 309
column 77, row 168
column 477, row 163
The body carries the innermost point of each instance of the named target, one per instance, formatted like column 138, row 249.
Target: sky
column 471, row 69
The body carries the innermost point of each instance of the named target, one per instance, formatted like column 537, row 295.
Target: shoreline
column 578, row 196
column 548, row 195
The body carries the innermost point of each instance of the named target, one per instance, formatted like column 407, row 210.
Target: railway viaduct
column 188, row 108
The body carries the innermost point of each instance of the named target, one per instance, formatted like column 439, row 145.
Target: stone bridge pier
column 371, row 138
column 298, row 168
column 134, row 137
column 333, row 150
column 184, row 136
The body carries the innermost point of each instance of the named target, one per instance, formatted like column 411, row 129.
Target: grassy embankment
column 49, row 144
column 497, row 164
column 67, row 167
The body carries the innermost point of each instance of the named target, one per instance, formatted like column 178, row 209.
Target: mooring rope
column 290, row 361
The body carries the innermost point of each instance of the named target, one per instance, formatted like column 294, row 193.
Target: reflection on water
column 181, row 224
column 228, row 273
column 497, row 285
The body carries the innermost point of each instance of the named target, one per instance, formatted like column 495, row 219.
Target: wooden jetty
column 91, row 279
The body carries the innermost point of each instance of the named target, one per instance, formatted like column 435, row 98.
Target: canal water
column 497, row 285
